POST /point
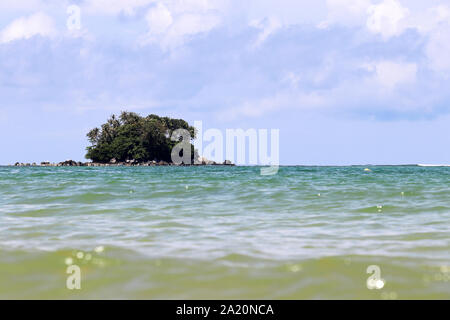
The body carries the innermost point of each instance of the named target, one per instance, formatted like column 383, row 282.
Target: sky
column 345, row 81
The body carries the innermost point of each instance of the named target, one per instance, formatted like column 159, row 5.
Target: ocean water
column 225, row 232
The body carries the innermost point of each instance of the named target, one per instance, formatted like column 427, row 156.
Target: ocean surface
column 225, row 232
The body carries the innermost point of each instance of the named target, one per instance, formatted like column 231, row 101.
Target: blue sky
column 345, row 81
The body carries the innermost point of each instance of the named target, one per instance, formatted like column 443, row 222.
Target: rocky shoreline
column 115, row 163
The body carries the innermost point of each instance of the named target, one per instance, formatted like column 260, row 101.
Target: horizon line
column 304, row 165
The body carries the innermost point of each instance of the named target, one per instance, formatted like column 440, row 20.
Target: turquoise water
column 225, row 232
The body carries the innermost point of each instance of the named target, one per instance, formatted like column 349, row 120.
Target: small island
column 133, row 140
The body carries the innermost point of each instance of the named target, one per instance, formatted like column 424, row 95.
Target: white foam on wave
column 434, row 165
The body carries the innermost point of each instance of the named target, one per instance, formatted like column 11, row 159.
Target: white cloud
column 387, row 18
column 20, row 5
column 346, row 12
column 158, row 19
column 282, row 100
column 438, row 49
column 291, row 79
column 191, row 24
column 171, row 25
column 350, row 93
column 129, row 7
column 428, row 20
column 390, row 74
column 268, row 27
column 181, row 6
column 288, row 12
column 442, row 13
column 114, row 7
column 27, row 27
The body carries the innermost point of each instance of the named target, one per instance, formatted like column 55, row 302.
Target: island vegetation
column 131, row 137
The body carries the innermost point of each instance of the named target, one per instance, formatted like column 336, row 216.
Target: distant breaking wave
column 434, row 165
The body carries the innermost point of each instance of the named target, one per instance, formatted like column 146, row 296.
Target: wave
column 433, row 165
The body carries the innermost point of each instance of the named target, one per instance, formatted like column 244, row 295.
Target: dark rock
column 68, row 163
column 114, row 162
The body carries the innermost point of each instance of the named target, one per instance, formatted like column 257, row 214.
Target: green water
column 225, row 232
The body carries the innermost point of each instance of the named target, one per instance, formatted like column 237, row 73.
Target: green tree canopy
column 131, row 136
